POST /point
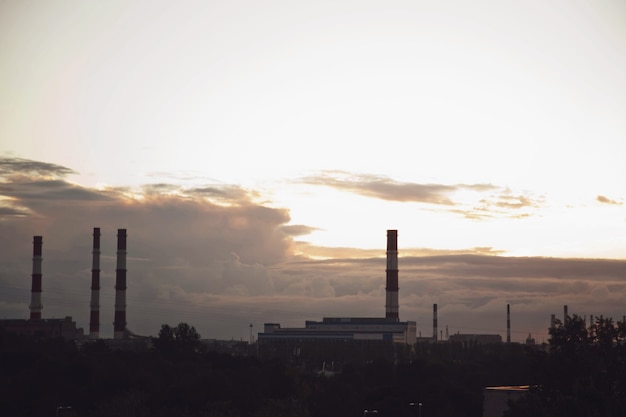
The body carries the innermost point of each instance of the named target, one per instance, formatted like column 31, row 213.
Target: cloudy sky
column 257, row 152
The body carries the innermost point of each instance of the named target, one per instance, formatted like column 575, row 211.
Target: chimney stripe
column 391, row 305
column 119, row 324
column 36, row 278
column 94, row 314
column 435, row 325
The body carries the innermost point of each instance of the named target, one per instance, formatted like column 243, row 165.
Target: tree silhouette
column 582, row 374
column 180, row 340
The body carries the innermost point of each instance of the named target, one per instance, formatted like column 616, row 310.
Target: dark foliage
column 39, row 375
column 583, row 374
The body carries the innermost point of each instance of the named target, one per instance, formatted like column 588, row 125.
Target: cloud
column 479, row 201
column 6, row 211
column 298, row 229
column 225, row 193
column 10, row 166
column 605, row 200
column 221, row 267
column 24, row 189
column 387, row 189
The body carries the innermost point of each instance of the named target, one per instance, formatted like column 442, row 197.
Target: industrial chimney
column 435, row 322
column 94, row 316
column 119, row 325
column 35, row 291
column 565, row 315
column 508, row 323
column 391, row 306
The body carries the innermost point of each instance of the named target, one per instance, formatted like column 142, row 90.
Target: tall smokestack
column 119, row 325
column 435, row 322
column 508, row 323
column 94, row 315
column 391, row 306
column 35, row 291
column 565, row 316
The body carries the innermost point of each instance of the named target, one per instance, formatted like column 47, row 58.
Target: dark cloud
column 387, row 189
column 229, row 194
column 502, row 203
column 8, row 211
column 17, row 166
column 471, row 290
column 224, row 193
column 27, row 187
column 606, row 200
column 162, row 188
column 187, row 254
column 298, row 230
column 28, row 190
column 222, row 267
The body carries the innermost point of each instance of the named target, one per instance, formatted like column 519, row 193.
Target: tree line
column 581, row 371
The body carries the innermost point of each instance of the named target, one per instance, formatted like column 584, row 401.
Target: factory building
column 348, row 331
column 344, row 329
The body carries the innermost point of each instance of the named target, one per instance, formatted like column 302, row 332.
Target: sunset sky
column 257, row 152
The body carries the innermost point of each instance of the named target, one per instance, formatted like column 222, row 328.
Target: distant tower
column 94, row 316
column 552, row 321
column 435, row 322
column 35, row 291
column 508, row 323
column 391, row 306
column 565, row 316
column 119, row 325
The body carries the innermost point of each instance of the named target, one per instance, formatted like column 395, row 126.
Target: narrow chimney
column 552, row 321
column 435, row 322
column 565, row 316
column 94, row 316
column 391, row 306
column 35, row 291
column 119, row 325
column 508, row 323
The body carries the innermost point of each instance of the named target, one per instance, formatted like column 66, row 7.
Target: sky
column 257, row 152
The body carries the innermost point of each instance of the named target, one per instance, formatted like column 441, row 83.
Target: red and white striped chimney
column 391, row 306
column 119, row 324
column 94, row 315
column 435, row 325
column 508, row 323
column 35, row 291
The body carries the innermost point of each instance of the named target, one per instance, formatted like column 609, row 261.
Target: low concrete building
column 48, row 328
column 344, row 329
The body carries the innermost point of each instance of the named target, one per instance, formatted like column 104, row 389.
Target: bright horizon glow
column 527, row 97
